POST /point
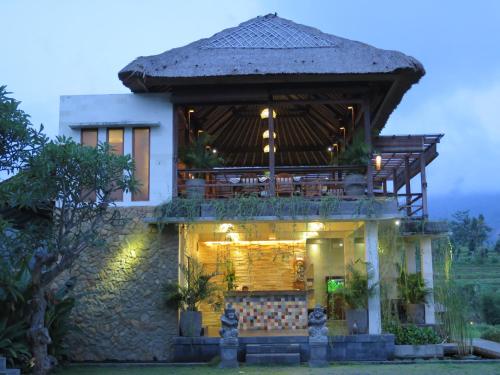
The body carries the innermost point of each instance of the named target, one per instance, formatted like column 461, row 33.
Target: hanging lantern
column 265, row 135
column 378, row 162
column 265, row 113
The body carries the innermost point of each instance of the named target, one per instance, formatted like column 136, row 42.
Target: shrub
column 490, row 306
column 412, row 335
column 492, row 334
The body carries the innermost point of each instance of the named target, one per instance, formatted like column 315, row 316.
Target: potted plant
column 357, row 154
column 198, row 155
column 414, row 293
column 187, row 298
column 355, row 293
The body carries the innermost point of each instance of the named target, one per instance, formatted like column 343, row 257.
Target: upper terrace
column 326, row 95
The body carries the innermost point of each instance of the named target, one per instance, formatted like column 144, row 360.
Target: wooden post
column 394, row 182
column 423, row 182
column 368, row 141
column 408, row 186
column 175, row 141
column 270, row 123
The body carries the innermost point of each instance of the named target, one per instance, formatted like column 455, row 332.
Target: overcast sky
column 53, row 48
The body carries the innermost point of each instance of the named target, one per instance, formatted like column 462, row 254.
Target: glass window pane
column 115, row 140
column 141, row 158
column 89, row 138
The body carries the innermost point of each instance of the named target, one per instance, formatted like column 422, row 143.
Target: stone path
column 486, row 348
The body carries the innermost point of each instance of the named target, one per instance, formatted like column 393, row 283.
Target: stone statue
column 229, row 323
column 317, row 323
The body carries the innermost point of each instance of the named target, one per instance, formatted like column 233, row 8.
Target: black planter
column 195, row 188
column 190, row 323
column 415, row 313
column 358, row 316
column 354, row 185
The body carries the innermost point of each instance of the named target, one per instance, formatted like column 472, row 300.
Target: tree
column 468, row 233
column 74, row 184
column 18, row 139
column 496, row 248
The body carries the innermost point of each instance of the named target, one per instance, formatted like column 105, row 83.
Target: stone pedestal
column 318, row 348
column 228, row 352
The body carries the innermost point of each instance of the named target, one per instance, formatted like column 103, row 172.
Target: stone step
column 272, row 348
column 3, row 363
column 273, row 359
column 10, row 371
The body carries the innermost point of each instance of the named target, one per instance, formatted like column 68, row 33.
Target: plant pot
column 418, row 351
column 354, row 185
column 358, row 316
column 190, row 323
column 195, row 188
column 415, row 313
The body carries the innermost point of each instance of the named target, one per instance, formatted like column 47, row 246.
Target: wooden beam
column 408, row 186
column 368, row 141
column 423, row 182
column 272, row 163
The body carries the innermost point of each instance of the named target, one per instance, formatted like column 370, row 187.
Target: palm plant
column 412, row 288
column 358, row 153
column 198, row 288
column 198, row 155
column 357, row 289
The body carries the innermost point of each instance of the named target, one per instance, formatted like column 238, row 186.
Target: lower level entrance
column 274, row 273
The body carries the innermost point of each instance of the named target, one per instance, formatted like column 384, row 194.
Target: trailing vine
column 251, row 207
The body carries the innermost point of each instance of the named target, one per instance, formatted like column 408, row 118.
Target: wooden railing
column 306, row 181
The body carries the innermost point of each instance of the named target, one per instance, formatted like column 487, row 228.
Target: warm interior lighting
column 265, row 113
column 265, row 135
column 191, row 111
column 263, row 242
column 350, row 107
column 316, row 226
column 267, row 148
column 225, row 227
column 378, row 162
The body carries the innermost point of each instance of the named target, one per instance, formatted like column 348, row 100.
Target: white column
column 371, row 251
column 428, row 277
column 411, row 262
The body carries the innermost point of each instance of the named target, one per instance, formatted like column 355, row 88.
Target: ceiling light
column 378, row 162
column 265, row 113
column 265, row 135
column 266, row 149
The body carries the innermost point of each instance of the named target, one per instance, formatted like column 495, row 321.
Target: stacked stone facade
column 119, row 313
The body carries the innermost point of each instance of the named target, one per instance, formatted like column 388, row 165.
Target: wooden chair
column 223, row 188
column 249, row 184
column 284, row 184
column 311, row 187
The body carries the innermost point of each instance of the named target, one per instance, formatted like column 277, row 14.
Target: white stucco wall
column 127, row 111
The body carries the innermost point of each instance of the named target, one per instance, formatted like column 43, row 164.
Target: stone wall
column 119, row 312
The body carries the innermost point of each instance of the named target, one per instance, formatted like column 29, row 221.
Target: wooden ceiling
column 305, row 129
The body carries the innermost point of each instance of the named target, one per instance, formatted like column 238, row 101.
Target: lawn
column 355, row 369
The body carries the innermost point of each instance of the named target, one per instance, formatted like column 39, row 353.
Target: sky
column 53, row 48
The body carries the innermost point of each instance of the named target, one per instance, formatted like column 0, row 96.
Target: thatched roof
column 265, row 47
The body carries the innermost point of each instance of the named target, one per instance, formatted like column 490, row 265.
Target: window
column 140, row 151
column 89, row 138
column 115, row 140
